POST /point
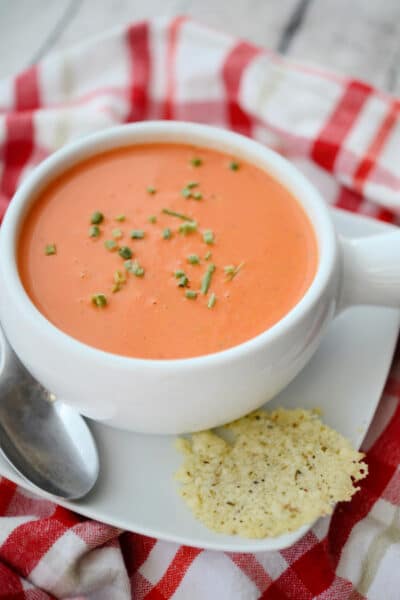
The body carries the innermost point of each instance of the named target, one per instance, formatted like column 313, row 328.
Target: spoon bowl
column 47, row 442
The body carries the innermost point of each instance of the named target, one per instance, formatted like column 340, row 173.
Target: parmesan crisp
column 278, row 471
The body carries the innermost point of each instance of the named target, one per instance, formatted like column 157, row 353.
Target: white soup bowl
column 176, row 396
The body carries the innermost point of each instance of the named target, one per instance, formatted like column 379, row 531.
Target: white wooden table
column 360, row 38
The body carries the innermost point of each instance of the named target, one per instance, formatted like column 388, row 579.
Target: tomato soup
column 165, row 251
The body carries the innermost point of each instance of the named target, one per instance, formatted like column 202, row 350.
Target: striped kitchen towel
column 345, row 136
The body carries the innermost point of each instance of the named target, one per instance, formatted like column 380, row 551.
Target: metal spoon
column 47, row 442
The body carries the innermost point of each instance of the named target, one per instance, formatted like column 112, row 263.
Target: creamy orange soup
column 103, row 257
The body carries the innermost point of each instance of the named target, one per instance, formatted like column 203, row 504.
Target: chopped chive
column 110, row 245
column 94, row 231
column 208, row 255
column 234, row 166
column 186, row 193
column 120, row 218
column 139, row 271
column 117, row 234
column 183, row 281
column 119, row 280
column 97, row 218
column 191, row 294
column 196, row 162
column 173, row 213
column 99, row 300
column 137, row 234
column 152, row 219
column 50, row 249
column 128, row 264
column 188, row 227
column 231, row 271
column 125, row 252
column 119, row 277
column 134, row 268
column 208, row 236
column 212, row 300
column 179, row 273
column 206, row 281
column 151, row 190
column 167, row 233
column 193, row 259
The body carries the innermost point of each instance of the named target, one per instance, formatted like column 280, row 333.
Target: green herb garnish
column 183, row 281
column 138, row 271
column 196, row 162
column 50, row 249
column 173, row 213
column 193, row 259
column 120, row 218
column 99, row 300
column 188, row 227
column 152, row 219
column 151, row 190
column 208, row 236
column 137, row 234
column 191, row 294
column 117, row 234
column 208, row 255
column 182, row 278
column 212, row 300
column 206, row 281
column 97, row 218
column 119, row 280
column 125, row 252
column 134, row 268
column 110, row 245
column 234, row 166
column 231, row 271
column 119, row 277
column 94, row 231
column 187, row 191
column 167, row 233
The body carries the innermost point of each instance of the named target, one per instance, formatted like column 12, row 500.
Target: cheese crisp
column 277, row 472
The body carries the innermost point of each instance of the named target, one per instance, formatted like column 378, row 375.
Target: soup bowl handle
column 370, row 271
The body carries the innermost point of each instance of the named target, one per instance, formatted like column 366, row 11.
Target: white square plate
column 345, row 378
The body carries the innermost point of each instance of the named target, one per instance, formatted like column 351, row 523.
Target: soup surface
column 103, row 257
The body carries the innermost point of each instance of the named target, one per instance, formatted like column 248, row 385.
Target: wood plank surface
column 358, row 38
column 257, row 20
column 26, row 26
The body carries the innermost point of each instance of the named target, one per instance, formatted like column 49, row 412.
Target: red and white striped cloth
column 345, row 136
